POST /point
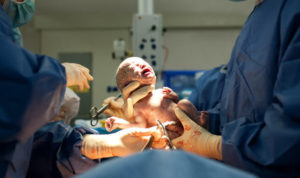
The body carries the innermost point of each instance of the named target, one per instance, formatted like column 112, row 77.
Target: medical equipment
column 148, row 144
column 147, row 34
column 181, row 81
column 94, row 112
column 119, row 49
column 150, row 141
column 166, row 134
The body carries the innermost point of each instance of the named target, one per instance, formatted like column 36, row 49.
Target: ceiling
column 48, row 7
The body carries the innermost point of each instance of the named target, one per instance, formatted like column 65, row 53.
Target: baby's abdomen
column 157, row 107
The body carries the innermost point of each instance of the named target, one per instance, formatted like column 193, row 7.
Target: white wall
column 99, row 43
column 200, row 33
column 189, row 49
column 196, row 49
column 31, row 37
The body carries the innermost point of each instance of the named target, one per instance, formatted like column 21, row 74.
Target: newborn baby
column 158, row 104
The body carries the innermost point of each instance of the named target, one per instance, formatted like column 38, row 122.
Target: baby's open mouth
column 147, row 72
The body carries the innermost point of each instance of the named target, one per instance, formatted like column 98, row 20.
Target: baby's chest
column 154, row 108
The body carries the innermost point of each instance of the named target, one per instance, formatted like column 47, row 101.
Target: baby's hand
column 170, row 94
column 113, row 123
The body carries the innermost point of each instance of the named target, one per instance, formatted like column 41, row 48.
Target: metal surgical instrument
column 166, row 134
column 94, row 112
column 150, row 141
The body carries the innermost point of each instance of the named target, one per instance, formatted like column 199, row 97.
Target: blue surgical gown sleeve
column 208, row 88
column 56, row 151
column 31, row 87
column 270, row 146
column 207, row 93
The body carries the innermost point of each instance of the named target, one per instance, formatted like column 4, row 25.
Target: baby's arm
column 113, row 123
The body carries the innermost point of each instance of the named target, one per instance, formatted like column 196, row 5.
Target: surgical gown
column 206, row 95
column 31, row 90
column 260, row 100
column 56, row 151
column 164, row 164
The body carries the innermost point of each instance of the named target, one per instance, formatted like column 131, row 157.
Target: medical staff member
column 31, row 90
column 27, row 6
column 260, row 100
column 256, row 97
column 21, row 12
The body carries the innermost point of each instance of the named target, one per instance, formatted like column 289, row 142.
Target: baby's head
column 134, row 69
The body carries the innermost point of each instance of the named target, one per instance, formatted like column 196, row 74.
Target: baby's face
column 135, row 69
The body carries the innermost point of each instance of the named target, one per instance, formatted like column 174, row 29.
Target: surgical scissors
column 150, row 141
column 94, row 112
column 166, row 134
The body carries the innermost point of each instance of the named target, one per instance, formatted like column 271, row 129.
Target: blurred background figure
column 69, row 107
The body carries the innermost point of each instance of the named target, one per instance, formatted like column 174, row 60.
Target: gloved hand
column 122, row 143
column 115, row 107
column 77, row 75
column 122, row 109
column 196, row 139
